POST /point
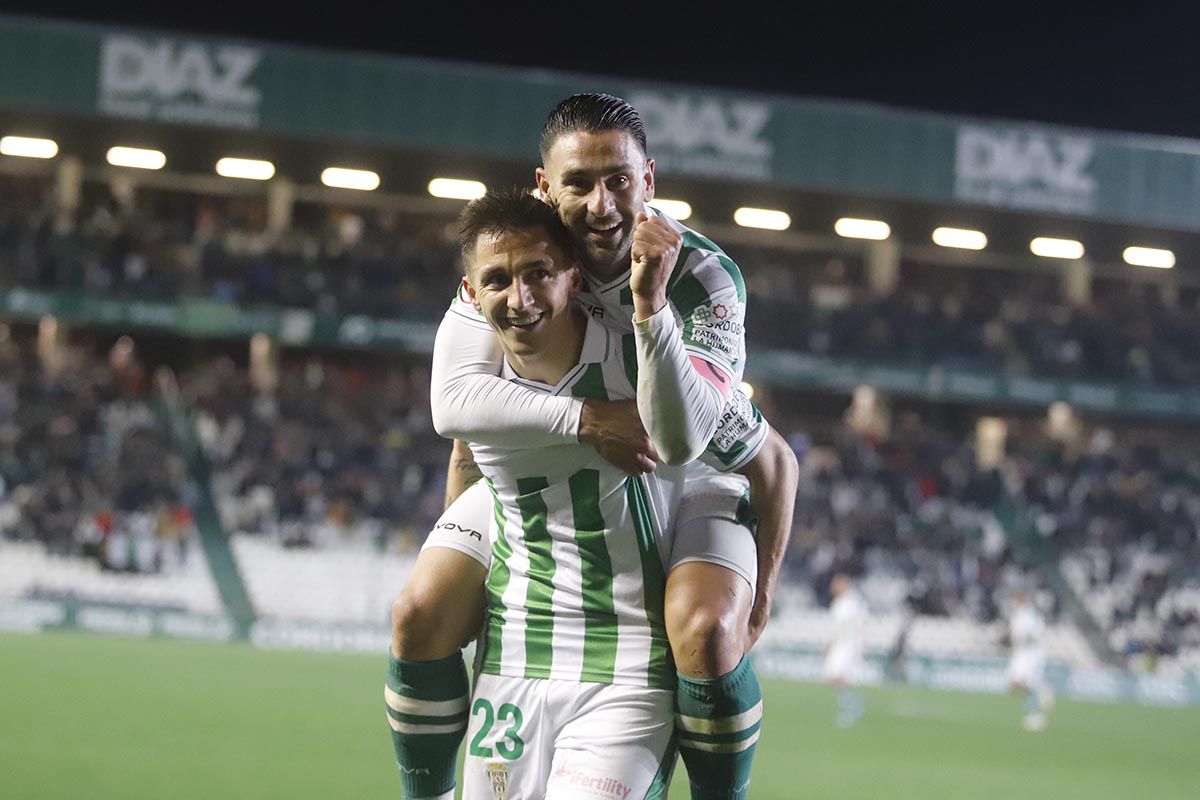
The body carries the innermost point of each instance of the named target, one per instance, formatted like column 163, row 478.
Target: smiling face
column 598, row 182
column 524, row 284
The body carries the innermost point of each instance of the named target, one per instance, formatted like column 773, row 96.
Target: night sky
column 1131, row 69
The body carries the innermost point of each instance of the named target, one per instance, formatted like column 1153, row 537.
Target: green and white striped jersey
column 575, row 589
column 708, row 296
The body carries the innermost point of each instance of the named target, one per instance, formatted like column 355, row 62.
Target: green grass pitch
column 99, row 718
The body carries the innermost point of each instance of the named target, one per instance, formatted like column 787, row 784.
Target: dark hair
column 592, row 113
column 504, row 210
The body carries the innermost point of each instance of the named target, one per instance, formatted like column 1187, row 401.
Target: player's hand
column 616, row 431
column 760, row 613
column 655, row 249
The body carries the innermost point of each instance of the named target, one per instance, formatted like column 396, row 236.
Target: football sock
column 850, row 706
column 1032, row 702
column 717, row 722
column 427, row 710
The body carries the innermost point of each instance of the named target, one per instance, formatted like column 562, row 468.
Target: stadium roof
column 199, row 99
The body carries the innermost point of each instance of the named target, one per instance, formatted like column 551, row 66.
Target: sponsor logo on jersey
column 725, row 343
column 717, row 314
column 737, row 418
column 593, row 309
column 498, row 776
column 598, row 785
column 454, row 527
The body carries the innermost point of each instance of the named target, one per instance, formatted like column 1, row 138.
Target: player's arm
column 680, row 397
column 774, row 475
column 461, row 473
column 471, row 402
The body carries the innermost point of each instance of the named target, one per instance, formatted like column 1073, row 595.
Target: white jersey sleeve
column 678, row 406
column 469, row 401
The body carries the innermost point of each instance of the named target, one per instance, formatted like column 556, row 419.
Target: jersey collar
column 597, row 342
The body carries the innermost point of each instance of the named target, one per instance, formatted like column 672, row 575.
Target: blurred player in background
column 844, row 658
column 1027, row 663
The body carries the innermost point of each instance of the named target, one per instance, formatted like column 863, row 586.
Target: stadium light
column 1056, row 248
column 851, row 228
column 961, row 238
column 1149, row 257
column 28, row 147
column 246, row 168
column 765, row 218
column 136, row 157
column 673, row 208
column 747, row 389
column 343, row 178
column 456, row 189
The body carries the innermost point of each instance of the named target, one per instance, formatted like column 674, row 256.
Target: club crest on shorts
column 498, row 775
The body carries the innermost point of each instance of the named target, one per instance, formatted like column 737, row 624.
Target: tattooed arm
column 462, row 472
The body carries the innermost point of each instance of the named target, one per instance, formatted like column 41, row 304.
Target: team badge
column 498, row 774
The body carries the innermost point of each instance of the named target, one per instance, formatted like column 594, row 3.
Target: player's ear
column 576, row 279
column 648, row 178
column 542, row 183
column 467, row 292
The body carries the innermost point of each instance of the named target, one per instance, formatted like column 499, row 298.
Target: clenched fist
column 655, row 249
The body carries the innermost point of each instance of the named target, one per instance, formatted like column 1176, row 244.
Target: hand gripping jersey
column 707, row 298
column 576, row 583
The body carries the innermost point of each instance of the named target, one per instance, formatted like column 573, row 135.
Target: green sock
column 717, row 723
column 427, row 710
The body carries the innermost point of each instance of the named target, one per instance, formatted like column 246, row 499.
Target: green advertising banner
column 211, row 319
column 693, row 131
column 772, row 660
column 802, row 371
column 302, row 328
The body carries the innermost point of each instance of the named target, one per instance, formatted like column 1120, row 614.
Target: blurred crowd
column 329, row 450
column 83, row 467
column 159, row 244
column 166, row 245
column 330, row 454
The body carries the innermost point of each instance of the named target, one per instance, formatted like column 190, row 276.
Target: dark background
column 1124, row 69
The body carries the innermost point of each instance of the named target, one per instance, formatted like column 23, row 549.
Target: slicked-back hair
column 592, row 113
column 505, row 210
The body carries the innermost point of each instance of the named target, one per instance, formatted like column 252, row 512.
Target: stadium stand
column 327, row 475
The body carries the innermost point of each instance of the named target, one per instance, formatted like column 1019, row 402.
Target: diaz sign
column 706, row 135
column 179, row 80
column 1024, row 168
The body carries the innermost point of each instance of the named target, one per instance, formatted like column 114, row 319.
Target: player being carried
column 683, row 302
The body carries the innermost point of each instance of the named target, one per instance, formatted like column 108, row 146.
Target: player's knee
column 707, row 639
column 415, row 627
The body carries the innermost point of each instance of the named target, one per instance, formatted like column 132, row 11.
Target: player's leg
column 510, row 741
column 437, row 612
column 615, row 742
column 708, row 600
column 839, row 670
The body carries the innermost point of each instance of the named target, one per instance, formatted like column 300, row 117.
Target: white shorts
column 466, row 525
column 1026, row 668
column 843, row 662
column 713, row 524
column 531, row 738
